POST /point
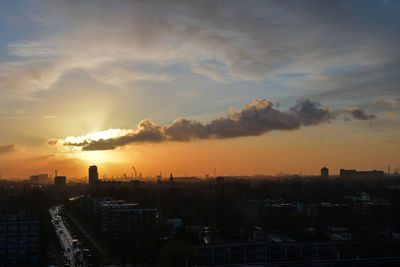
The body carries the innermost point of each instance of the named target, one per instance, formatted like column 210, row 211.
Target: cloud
column 213, row 71
column 7, row 148
column 355, row 82
column 312, row 113
column 52, row 142
column 263, row 41
column 389, row 101
column 254, row 119
column 390, row 114
column 359, row 114
column 51, row 117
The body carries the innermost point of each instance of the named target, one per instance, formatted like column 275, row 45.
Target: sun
column 92, row 157
column 97, row 157
column 94, row 136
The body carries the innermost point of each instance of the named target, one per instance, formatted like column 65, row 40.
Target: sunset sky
column 246, row 87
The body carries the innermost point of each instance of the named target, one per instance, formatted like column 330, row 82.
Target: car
column 67, row 259
column 86, row 251
column 68, row 249
column 60, row 231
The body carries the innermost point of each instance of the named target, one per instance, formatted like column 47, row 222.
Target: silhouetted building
column 186, row 179
column 347, row 173
column 116, row 217
column 360, row 174
column 93, row 175
column 39, row 179
column 273, row 215
column 258, row 210
column 60, row 182
column 262, row 253
column 326, row 215
column 325, row 172
column 120, row 218
column 19, row 239
column 376, row 213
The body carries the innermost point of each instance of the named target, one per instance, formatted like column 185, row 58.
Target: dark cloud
column 256, row 118
column 52, row 142
column 311, row 113
column 359, row 114
column 7, row 148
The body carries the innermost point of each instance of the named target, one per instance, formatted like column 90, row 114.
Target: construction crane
column 134, row 169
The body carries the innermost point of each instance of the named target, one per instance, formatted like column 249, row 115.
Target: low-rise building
column 326, row 215
column 330, row 253
column 39, row 179
column 347, row 174
column 372, row 212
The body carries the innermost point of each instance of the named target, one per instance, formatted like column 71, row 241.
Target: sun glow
column 97, row 157
column 96, row 136
column 91, row 157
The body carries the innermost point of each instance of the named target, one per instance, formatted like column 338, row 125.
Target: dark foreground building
column 335, row 253
column 19, row 239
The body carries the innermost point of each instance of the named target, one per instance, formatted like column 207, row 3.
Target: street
column 67, row 242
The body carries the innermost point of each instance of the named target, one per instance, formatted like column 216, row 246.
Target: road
column 64, row 235
column 90, row 238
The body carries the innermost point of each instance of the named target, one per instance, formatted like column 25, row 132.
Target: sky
column 183, row 87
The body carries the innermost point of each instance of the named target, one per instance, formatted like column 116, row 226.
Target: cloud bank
column 254, row 119
column 270, row 37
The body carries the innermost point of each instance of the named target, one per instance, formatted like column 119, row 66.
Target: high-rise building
column 93, row 175
column 60, row 182
column 324, row 172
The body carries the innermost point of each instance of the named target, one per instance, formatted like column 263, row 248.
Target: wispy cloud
column 51, row 117
column 259, row 44
column 7, row 148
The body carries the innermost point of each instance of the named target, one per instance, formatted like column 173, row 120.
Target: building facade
column 39, row 179
column 325, row 172
column 60, row 182
column 93, row 175
column 19, row 239
column 347, row 174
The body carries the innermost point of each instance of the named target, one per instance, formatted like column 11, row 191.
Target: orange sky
column 246, row 88
column 305, row 150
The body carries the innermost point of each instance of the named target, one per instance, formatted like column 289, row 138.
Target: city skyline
column 188, row 87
